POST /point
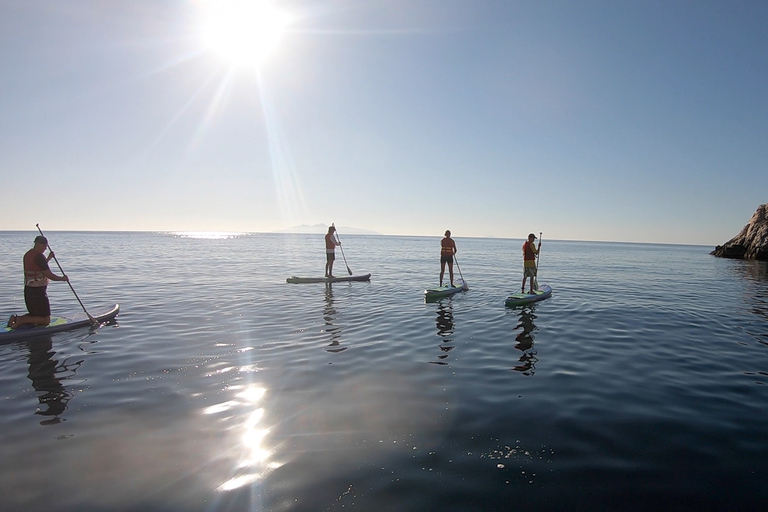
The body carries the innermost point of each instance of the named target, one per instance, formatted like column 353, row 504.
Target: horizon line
column 487, row 237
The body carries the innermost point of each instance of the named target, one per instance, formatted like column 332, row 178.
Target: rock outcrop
column 752, row 242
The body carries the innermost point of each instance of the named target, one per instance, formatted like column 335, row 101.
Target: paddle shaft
column 93, row 320
column 342, row 248
column 459, row 268
column 538, row 259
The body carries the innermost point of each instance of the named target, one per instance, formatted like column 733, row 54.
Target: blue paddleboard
column 59, row 324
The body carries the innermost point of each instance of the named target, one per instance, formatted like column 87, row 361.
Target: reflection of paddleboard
column 444, row 291
column 58, row 324
column 366, row 277
column 519, row 299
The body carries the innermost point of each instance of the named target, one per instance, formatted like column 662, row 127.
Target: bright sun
column 242, row 31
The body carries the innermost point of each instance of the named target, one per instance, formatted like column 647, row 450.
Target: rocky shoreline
column 752, row 242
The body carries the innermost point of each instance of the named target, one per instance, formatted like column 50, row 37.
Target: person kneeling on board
column 36, row 277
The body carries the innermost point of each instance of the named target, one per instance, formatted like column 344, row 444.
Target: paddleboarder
column 447, row 250
column 530, row 251
column 37, row 274
column 330, row 250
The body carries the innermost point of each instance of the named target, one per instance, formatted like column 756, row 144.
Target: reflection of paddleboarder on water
column 330, row 250
column 529, row 262
column 447, row 250
column 43, row 370
column 444, row 320
column 37, row 273
column 524, row 341
column 329, row 316
column 445, row 329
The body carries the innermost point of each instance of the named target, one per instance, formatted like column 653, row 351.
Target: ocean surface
column 639, row 385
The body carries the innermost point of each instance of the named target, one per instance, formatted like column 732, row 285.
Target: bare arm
column 53, row 277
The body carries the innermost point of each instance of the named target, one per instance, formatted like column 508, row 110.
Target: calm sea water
column 640, row 383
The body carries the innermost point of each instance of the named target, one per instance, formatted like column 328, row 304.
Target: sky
column 630, row 121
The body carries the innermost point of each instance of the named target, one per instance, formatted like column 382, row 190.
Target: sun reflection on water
column 253, row 457
column 207, row 235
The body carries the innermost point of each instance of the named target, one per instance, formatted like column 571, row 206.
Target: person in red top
column 330, row 250
column 36, row 277
column 447, row 250
column 529, row 261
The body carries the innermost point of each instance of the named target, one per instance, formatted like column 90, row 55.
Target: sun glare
column 244, row 32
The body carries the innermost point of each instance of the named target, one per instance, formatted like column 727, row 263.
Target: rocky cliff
column 752, row 242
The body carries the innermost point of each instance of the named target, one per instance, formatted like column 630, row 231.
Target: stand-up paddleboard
column 439, row 292
column 366, row 277
column 58, row 324
column 523, row 298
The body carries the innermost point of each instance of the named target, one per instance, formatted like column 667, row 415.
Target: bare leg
column 442, row 272
column 29, row 319
column 450, row 272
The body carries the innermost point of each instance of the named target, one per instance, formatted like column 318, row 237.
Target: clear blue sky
column 586, row 120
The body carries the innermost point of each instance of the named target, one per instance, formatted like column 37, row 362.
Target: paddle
column 93, row 320
column 342, row 249
column 535, row 280
column 466, row 287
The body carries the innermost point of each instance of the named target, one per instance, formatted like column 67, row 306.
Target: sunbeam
column 287, row 185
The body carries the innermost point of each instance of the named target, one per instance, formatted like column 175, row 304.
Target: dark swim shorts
column 446, row 259
column 36, row 300
column 330, row 256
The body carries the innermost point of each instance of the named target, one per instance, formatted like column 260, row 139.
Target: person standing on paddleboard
column 330, row 250
column 529, row 261
column 36, row 277
column 447, row 250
